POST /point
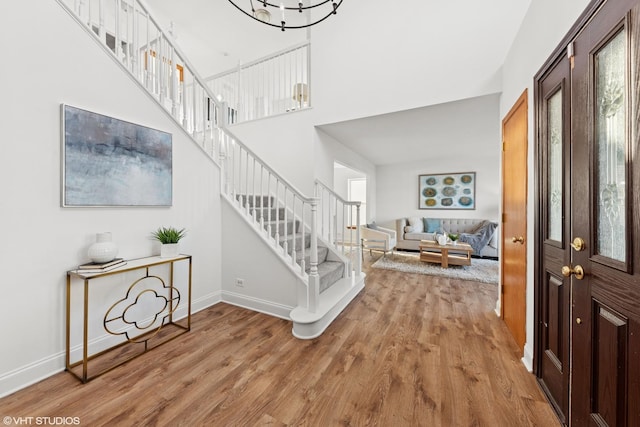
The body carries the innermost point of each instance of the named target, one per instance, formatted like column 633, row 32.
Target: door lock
column 578, row 244
column 579, row 321
column 577, row 271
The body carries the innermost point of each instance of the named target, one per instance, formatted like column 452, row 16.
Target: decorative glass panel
column 554, row 141
column 610, row 148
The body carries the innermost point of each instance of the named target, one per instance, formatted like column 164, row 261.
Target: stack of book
column 100, row 267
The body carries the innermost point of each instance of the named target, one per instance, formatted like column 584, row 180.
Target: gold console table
column 140, row 335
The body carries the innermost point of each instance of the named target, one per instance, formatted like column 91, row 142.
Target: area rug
column 480, row 270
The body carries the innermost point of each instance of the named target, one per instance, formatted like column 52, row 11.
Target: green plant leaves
column 167, row 235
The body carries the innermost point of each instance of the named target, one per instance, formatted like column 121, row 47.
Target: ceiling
column 420, row 133
column 216, row 37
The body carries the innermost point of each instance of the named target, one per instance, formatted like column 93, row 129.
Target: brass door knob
column 519, row 239
column 579, row 321
column 577, row 271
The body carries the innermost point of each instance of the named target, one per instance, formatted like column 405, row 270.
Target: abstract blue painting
column 110, row 162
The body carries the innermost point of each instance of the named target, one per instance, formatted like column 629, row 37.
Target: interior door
column 514, row 224
column 605, row 188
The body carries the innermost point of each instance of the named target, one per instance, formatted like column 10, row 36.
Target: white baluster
column 161, row 72
column 253, row 190
column 148, row 57
column 304, row 247
column 270, row 205
column 193, row 108
column 234, row 193
column 308, row 52
column 174, row 84
column 314, row 278
column 285, row 222
column 262, row 197
column 246, row 184
column 101, row 31
column 277, row 234
column 358, row 255
column 293, row 230
column 117, row 43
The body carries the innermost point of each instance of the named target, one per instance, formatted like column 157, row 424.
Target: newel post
column 314, row 278
column 358, row 261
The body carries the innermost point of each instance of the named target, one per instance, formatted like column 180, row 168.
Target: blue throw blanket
column 481, row 237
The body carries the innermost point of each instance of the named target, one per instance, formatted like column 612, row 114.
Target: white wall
column 480, row 152
column 268, row 286
column 328, row 150
column 285, row 143
column 53, row 61
column 387, row 57
column 341, row 178
column 544, row 26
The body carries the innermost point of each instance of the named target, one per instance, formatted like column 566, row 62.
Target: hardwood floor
column 411, row 350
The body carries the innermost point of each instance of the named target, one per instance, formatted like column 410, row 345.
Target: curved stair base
column 307, row 325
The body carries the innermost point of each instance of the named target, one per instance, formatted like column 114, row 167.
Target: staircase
column 301, row 230
column 294, row 242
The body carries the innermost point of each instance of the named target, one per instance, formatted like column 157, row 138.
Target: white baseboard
column 527, row 358
column 32, row 373
column 256, row 304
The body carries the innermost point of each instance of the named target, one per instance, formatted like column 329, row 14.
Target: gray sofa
column 409, row 232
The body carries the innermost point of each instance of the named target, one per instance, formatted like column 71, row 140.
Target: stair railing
column 275, row 84
column 339, row 224
column 126, row 29
column 263, row 194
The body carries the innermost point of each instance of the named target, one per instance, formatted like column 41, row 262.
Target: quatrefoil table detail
column 143, row 317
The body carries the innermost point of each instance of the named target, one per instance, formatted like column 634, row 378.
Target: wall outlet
column 240, row 283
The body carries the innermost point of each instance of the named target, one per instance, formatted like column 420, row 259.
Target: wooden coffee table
column 445, row 255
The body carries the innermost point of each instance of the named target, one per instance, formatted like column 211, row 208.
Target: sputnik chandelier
column 288, row 13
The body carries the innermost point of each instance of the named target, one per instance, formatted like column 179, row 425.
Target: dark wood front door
column 554, row 296
column 588, row 281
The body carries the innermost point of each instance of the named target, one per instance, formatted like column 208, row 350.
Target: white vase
column 104, row 249
column 169, row 250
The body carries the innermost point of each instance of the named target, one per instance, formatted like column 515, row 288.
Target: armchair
column 376, row 238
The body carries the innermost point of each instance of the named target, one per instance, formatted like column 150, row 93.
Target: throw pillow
column 416, row 225
column 432, row 225
column 372, row 225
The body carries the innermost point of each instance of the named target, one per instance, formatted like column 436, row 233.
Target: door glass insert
column 610, row 146
column 554, row 141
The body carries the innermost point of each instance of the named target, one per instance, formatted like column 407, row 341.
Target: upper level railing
column 276, row 84
column 339, row 223
column 135, row 40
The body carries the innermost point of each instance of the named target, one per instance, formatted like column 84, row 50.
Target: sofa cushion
column 419, row 236
column 416, row 225
column 432, row 225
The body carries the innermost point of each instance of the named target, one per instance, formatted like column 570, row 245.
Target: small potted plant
column 454, row 238
column 169, row 238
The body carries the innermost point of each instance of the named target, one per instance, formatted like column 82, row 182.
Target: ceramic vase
column 104, row 249
column 169, row 250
